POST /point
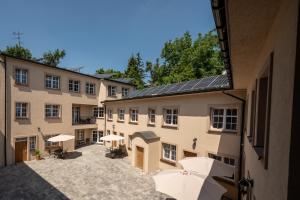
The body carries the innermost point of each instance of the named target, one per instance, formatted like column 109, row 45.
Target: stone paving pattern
column 87, row 174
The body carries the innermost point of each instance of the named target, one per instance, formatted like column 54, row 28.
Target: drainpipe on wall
column 5, row 120
column 242, row 136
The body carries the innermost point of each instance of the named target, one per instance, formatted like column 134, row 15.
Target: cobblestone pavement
column 87, row 174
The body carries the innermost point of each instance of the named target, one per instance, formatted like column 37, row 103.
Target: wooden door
column 139, row 162
column 21, row 151
column 189, row 154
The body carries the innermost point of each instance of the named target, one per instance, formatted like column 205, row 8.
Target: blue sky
column 103, row 33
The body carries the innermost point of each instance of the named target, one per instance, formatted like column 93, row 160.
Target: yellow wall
column 193, row 122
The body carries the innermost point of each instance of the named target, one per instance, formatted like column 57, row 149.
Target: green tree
column 53, row 58
column 18, row 51
column 135, row 70
column 115, row 73
column 155, row 71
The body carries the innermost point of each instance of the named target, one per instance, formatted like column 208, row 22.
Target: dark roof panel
column 199, row 85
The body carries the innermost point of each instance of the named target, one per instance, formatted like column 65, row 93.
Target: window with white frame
column 171, row 116
column 90, row 88
column 32, row 143
column 224, row 119
column 125, row 92
column 21, row 76
column 225, row 159
column 99, row 112
column 121, row 114
column 151, row 116
column 22, row 110
column 74, row 86
column 112, row 91
column 52, row 111
column 52, row 82
column 134, row 115
column 109, row 114
column 169, row 152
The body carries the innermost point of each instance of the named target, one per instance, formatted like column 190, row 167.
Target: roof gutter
column 219, row 12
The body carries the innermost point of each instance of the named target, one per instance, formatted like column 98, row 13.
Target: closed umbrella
column 207, row 166
column 183, row 185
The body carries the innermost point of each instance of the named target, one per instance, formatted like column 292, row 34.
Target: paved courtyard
column 86, row 175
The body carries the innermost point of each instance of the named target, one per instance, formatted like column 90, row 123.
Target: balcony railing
column 84, row 120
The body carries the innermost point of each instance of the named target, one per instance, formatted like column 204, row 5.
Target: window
column 169, row 152
column 125, row 92
column 151, row 116
column 32, row 143
column 52, row 111
column 108, row 132
column 129, row 143
column 214, row 156
column 227, row 160
column 90, row 88
column 134, row 115
column 21, row 76
column 112, row 91
column 99, row 112
column 50, row 144
column 171, row 116
column 21, row 110
column 224, row 119
column 122, row 141
column 261, row 108
column 109, row 114
column 74, row 86
column 121, row 114
column 52, row 82
column 80, row 135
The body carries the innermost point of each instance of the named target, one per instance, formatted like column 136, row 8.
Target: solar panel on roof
column 176, row 87
column 204, row 83
column 165, row 89
column 189, row 85
column 221, row 81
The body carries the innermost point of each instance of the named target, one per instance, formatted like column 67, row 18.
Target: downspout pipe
column 242, row 136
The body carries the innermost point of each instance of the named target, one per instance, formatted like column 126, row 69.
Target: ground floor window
column 169, row 152
column 80, row 135
column 226, row 159
column 50, row 144
column 32, row 143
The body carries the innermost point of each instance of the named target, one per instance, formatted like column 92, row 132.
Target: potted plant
column 38, row 154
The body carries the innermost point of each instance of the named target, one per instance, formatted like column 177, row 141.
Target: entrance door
column 95, row 136
column 21, row 151
column 139, row 162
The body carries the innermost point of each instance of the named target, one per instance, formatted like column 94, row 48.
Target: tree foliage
column 115, row 73
column 18, row 51
column 53, row 58
column 135, row 70
column 185, row 59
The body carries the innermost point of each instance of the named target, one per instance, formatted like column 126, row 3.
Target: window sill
column 49, row 118
column 168, row 162
column 109, row 120
column 99, row 117
column 22, row 118
column 134, row 123
column 120, row 121
column 169, row 126
column 21, row 85
column 54, row 89
column 151, row 125
column 74, row 92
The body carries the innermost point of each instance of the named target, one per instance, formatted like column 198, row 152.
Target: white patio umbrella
column 61, row 138
column 182, row 185
column 207, row 166
column 112, row 138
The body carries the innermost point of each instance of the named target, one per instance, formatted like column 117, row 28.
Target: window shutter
column 268, row 112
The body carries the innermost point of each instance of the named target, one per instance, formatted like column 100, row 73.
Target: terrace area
column 86, row 175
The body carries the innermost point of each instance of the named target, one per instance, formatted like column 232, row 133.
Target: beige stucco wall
column 193, row 122
column 281, row 38
column 2, row 110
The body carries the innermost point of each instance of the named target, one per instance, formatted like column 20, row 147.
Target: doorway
column 96, row 136
column 21, row 150
column 139, row 161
